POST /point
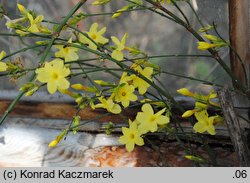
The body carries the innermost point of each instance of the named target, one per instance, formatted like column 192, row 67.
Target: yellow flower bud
column 2, row 55
column 42, row 42
column 53, row 143
column 76, row 121
column 103, row 83
column 84, row 88
column 3, row 67
column 99, row 2
column 205, row 46
column 120, row 11
column 206, row 28
column 185, row 92
column 78, row 87
column 211, row 37
column 188, row 113
column 21, row 8
column 200, row 106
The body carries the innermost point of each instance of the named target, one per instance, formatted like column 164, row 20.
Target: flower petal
column 130, row 146
column 93, row 27
column 139, row 141
column 162, row 120
column 199, row 127
column 52, row 87
column 147, row 108
column 118, row 55
column 63, row 84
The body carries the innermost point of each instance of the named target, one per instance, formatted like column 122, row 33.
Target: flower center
column 54, row 76
column 152, row 118
column 66, row 49
column 130, row 82
column 132, row 136
column 124, row 94
column 93, row 36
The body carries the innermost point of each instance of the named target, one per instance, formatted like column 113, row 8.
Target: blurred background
column 150, row 32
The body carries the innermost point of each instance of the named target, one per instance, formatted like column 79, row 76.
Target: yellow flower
column 150, row 121
column 67, row 52
column 34, row 23
column 95, row 35
column 120, row 46
column 207, row 98
column 124, row 94
column 109, row 105
column 3, row 66
column 131, row 136
column 205, row 46
column 216, row 43
column 185, row 92
column 54, row 73
column 139, row 82
column 126, row 79
column 204, row 123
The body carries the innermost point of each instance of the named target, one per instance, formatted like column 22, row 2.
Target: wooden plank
column 222, row 135
column 27, row 146
column 58, row 106
column 58, row 116
column 61, row 111
column 239, row 37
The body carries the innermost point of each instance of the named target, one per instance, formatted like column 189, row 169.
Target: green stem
column 151, row 9
column 192, row 78
column 22, row 71
column 237, row 55
column 125, row 68
column 23, row 50
column 42, row 60
column 182, row 13
column 195, row 13
column 144, row 57
column 29, row 35
column 213, row 52
column 111, row 13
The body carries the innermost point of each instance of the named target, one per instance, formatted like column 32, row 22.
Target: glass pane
column 152, row 33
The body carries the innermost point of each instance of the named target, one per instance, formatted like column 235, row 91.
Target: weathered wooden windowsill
column 33, row 123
